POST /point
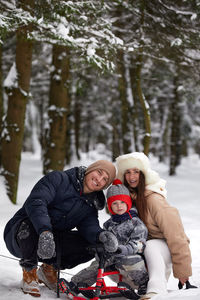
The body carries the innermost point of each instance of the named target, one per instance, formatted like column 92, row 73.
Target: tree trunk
column 163, row 146
column 1, row 96
column 125, row 135
column 77, row 123
column 175, row 142
column 68, row 137
column 14, row 124
column 88, row 138
column 135, row 120
column 122, row 84
column 138, row 88
column 145, row 106
column 115, row 143
column 58, row 106
column 116, row 147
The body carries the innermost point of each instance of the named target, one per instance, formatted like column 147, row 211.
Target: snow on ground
column 183, row 192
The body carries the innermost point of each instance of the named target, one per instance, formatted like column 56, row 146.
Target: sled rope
column 16, row 259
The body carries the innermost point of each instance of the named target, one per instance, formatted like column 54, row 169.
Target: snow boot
column 142, row 289
column 29, row 284
column 48, row 275
column 126, row 291
column 68, row 287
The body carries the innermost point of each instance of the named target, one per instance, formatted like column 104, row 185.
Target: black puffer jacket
column 57, row 202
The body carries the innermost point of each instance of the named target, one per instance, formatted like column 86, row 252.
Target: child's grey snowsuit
column 131, row 234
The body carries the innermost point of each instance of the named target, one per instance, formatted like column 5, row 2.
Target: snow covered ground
column 183, row 192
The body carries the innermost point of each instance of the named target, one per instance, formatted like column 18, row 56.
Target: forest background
column 119, row 75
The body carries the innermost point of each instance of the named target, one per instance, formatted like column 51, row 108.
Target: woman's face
column 132, row 177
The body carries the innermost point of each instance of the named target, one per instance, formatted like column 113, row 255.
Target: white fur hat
column 140, row 161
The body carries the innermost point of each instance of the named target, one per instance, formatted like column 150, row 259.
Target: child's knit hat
column 118, row 191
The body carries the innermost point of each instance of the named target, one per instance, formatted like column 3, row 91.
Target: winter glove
column 136, row 247
column 46, row 245
column 121, row 251
column 109, row 240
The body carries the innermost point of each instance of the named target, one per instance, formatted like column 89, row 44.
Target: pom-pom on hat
column 106, row 166
column 118, row 191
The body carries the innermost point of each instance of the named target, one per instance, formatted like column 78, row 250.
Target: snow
column 176, row 42
column 90, row 51
column 183, row 192
column 11, row 79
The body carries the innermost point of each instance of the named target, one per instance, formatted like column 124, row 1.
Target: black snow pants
column 71, row 248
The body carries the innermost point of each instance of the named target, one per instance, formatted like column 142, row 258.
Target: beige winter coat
column 163, row 221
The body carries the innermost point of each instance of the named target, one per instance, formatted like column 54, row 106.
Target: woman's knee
column 157, row 248
column 158, row 259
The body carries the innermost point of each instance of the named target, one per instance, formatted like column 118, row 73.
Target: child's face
column 119, row 207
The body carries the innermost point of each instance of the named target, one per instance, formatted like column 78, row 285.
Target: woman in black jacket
column 42, row 229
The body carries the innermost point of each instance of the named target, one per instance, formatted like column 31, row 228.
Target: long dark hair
column 139, row 200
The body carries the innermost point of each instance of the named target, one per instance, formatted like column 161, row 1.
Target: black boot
column 68, row 287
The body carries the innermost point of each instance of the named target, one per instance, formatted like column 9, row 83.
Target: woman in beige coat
column 167, row 246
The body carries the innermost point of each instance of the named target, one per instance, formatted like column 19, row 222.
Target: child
column 131, row 234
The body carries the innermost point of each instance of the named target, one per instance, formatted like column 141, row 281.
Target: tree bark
column 18, row 95
column 55, row 154
column 122, row 84
column 135, row 116
column 124, row 134
column 144, row 103
column 115, row 130
column 163, row 146
column 1, row 96
column 175, row 141
column 145, row 106
column 77, row 123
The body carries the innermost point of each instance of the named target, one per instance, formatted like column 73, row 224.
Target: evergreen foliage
column 133, row 75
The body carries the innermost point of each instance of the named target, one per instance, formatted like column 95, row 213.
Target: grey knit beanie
column 118, row 191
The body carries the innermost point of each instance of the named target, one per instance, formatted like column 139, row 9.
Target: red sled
column 100, row 290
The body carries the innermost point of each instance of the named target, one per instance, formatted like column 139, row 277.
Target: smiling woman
column 167, row 246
